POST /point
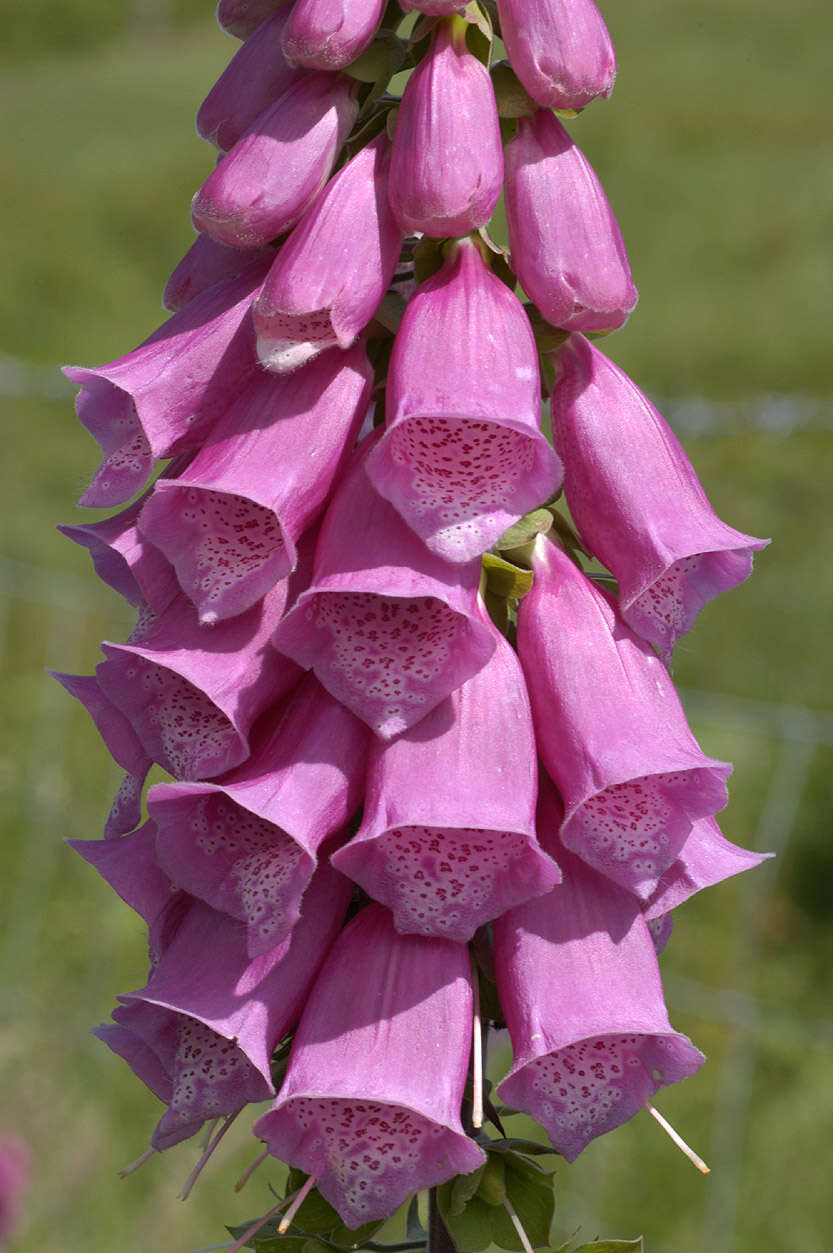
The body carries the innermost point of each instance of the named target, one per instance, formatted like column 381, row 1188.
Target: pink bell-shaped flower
column 252, row 81
column 610, row 729
column 463, row 456
column 559, row 49
column 371, row 1100
column 273, row 173
column 706, row 858
column 161, row 398
column 447, row 162
column 191, row 692
column 332, row 272
column 388, row 627
column 248, row 844
column 637, row 501
column 229, row 523
column 447, row 839
column 329, row 34
column 201, row 1033
column 579, row 984
column 205, row 263
column 567, row 249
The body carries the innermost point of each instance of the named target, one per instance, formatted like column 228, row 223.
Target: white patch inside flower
column 257, row 861
column 386, row 654
column 447, row 882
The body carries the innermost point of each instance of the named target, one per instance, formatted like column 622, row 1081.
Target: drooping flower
column 252, row 81
column 202, row 1032
column 447, row 160
column 579, row 985
column 248, row 844
column 559, row 49
column 273, row 173
column 329, row 34
column 610, row 728
column 447, row 839
column 463, row 456
column 242, row 17
column 388, row 627
column 161, row 398
column 637, row 501
column 371, row 1100
column 567, row 249
column 706, row 858
column 330, row 276
column 205, row 263
column 191, row 692
column 228, row 523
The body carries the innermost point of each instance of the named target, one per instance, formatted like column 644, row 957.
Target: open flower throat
column 413, row 746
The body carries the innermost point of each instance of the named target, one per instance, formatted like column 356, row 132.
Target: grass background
column 715, row 154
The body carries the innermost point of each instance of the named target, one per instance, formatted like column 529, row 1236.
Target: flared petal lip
column 613, row 1030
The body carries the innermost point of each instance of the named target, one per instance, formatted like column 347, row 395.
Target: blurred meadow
column 715, row 154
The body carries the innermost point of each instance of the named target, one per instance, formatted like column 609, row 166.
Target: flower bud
column 559, row 49
column 253, row 80
column 274, row 172
column 329, row 34
column 447, row 161
column 567, row 249
column 241, row 18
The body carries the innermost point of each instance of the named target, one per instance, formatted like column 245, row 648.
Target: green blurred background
column 716, row 156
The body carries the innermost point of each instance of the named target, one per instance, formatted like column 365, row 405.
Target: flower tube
column 447, row 159
column 388, row 627
column 559, row 49
column 330, row 276
column 610, row 729
column 449, row 857
column 274, row 172
column 567, row 249
column 205, row 263
column 248, row 844
column 463, row 456
column 579, row 983
column 228, row 523
column 371, row 1100
column 637, row 501
column 242, row 17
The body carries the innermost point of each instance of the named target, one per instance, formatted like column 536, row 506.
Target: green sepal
column 513, row 101
column 611, row 1246
column 497, row 608
column 508, row 129
column 380, row 60
column 548, row 338
column 461, row 1189
column 505, row 579
column 492, row 1187
column 569, row 114
column 538, row 522
column 569, row 538
column 480, row 34
column 516, row 1144
column 528, row 1188
column 428, row 258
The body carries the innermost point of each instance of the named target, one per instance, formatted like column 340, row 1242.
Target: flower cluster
column 362, row 620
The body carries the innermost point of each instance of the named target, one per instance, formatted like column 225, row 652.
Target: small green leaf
column 267, row 1239
column 528, row 1147
column 471, row 1231
column 352, row 1237
column 380, row 61
column 479, row 35
column 315, row 1246
column 512, row 100
column 538, row 522
column 504, row 579
column 531, row 1191
column 428, row 258
column 463, row 1188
